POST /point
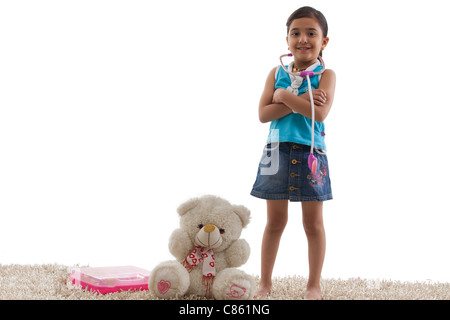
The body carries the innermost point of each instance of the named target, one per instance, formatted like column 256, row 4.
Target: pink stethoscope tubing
column 312, row 160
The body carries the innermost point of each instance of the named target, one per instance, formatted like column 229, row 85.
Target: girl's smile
column 305, row 41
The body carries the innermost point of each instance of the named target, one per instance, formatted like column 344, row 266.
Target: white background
column 112, row 113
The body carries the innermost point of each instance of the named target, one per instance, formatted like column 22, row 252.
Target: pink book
column 110, row 279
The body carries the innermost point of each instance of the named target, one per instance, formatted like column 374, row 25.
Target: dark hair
column 308, row 12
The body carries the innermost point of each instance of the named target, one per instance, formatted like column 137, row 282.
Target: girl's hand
column 277, row 95
column 319, row 96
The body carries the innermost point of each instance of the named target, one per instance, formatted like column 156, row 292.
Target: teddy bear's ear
column 243, row 213
column 188, row 205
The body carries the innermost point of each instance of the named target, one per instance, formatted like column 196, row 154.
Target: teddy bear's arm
column 180, row 245
column 237, row 254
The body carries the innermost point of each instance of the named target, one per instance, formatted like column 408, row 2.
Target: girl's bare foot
column 313, row 294
column 263, row 292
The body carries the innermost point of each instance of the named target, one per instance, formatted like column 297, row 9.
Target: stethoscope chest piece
column 312, row 163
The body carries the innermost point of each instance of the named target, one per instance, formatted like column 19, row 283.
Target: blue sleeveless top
column 295, row 127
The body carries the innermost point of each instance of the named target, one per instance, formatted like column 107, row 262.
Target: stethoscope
column 312, row 160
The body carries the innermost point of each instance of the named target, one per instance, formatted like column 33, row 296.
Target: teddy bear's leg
column 233, row 284
column 169, row 279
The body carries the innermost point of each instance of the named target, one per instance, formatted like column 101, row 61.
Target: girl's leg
column 315, row 234
column 277, row 216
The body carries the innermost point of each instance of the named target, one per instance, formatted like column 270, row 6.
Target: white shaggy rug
column 51, row 282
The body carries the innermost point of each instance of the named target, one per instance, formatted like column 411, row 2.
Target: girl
column 287, row 105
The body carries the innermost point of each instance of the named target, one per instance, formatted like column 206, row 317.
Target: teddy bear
column 208, row 250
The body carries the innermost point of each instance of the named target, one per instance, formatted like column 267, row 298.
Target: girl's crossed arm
column 268, row 110
column 323, row 98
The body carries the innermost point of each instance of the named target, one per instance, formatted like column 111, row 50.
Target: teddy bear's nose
column 209, row 228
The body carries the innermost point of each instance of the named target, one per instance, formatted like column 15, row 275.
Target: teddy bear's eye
column 222, row 231
column 200, row 226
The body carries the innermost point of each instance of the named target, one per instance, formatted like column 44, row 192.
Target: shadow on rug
column 51, row 282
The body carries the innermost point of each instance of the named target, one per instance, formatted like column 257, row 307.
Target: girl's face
column 305, row 41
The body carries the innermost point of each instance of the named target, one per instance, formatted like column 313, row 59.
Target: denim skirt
column 283, row 174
